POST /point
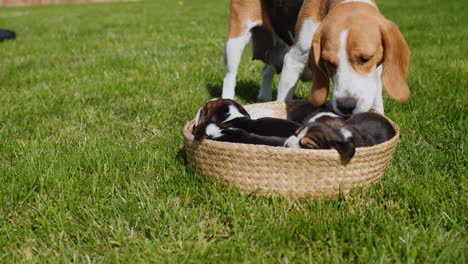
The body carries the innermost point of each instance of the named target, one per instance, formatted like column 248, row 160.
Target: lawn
column 92, row 166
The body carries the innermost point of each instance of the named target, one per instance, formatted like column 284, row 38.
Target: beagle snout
column 346, row 105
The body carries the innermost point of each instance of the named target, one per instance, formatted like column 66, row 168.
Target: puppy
column 231, row 114
column 361, row 130
column 220, row 132
column 367, row 129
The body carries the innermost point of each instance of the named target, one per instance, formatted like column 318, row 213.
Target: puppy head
column 317, row 135
column 349, row 47
column 220, row 111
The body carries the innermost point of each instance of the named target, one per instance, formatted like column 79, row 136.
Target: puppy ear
column 396, row 62
column 199, row 131
column 197, row 117
column 345, row 148
column 240, row 108
column 320, row 78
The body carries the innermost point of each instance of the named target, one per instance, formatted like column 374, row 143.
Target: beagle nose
column 346, row 105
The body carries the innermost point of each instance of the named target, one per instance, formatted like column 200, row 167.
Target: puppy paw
column 292, row 142
column 214, row 131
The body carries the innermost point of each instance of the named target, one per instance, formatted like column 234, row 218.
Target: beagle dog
column 352, row 44
column 361, row 130
column 220, row 132
column 232, row 115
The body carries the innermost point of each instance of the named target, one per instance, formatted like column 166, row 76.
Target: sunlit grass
column 93, row 100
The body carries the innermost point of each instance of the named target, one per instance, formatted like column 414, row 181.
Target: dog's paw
column 214, row 131
column 206, row 130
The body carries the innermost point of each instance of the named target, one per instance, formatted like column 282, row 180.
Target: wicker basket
column 285, row 171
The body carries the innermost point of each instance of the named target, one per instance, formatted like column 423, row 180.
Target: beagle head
column 350, row 46
column 220, row 111
column 318, row 135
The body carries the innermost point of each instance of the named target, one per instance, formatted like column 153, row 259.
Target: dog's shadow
column 246, row 90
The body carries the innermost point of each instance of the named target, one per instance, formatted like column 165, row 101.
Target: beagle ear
column 396, row 62
column 321, row 82
column 240, row 108
column 345, row 148
column 197, row 117
column 199, row 131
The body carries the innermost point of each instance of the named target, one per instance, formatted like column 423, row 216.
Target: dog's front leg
column 296, row 59
column 232, row 57
column 378, row 101
column 268, row 73
column 294, row 63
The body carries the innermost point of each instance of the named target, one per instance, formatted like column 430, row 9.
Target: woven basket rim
column 188, row 135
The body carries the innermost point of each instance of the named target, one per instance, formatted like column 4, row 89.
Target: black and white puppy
column 231, row 114
column 220, row 132
column 361, row 130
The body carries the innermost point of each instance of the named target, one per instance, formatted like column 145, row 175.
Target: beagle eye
column 363, row 60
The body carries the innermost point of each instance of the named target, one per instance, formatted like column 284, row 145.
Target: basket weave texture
column 287, row 172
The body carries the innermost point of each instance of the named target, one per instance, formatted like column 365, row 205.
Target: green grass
column 92, row 169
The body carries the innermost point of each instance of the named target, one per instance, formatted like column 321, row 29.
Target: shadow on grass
column 181, row 157
column 246, row 90
column 189, row 179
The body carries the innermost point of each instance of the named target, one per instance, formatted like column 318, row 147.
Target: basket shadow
column 181, row 157
column 184, row 182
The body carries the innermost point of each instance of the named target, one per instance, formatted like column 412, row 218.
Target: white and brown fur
column 360, row 130
column 350, row 39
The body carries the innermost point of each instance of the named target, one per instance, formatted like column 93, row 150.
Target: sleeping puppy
column 220, row 132
column 231, row 114
column 361, row 130
column 367, row 129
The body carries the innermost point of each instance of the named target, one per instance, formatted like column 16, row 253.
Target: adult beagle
column 352, row 43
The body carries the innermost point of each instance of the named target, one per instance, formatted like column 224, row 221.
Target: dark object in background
column 7, row 34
